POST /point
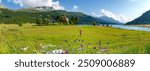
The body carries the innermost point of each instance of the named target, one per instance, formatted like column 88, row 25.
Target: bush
column 94, row 23
column 20, row 24
column 147, row 49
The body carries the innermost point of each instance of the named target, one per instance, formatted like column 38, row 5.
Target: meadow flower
column 24, row 49
column 66, row 41
column 80, row 32
column 75, row 41
column 103, row 50
column 66, row 51
column 41, row 46
column 60, row 51
column 81, row 45
column 95, row 47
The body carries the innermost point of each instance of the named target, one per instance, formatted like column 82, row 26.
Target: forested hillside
column 8, row 16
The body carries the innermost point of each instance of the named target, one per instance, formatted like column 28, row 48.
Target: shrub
column 20, row 24
column 94, row 23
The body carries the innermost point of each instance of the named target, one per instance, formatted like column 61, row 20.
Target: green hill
column 144, row 19
column 8, row 16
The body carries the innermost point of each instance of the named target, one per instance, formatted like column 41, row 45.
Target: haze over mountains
column 109, row 20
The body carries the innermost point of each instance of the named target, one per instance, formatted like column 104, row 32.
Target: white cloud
column 93, row 14
column 75, row 7
column 35, row 3
column 120, row 18
column 0, row 1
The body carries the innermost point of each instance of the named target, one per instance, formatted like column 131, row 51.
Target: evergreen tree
column 39, row 21
column 45, row 21
column 94, row 23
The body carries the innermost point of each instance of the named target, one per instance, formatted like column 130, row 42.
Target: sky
column 120, row 10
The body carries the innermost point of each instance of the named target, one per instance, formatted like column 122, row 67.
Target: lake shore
column 142, row 25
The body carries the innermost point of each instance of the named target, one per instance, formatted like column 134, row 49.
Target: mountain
column 30, row 15
column 109, row 20
column 144, row 19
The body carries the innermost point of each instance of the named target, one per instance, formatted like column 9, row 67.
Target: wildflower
column 66, row 41
column 75, row 41
column 80, row 32
column 41, row 46
column 81, row 45
column 24, row 49
column 95, row 48
column 66, row 52
column 60, row 51
column 103, row 49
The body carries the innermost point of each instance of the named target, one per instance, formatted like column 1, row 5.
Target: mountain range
column 103, row 19
column 28, row 15
column 108, row 20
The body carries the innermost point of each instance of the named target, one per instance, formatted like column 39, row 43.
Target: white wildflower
column 60, row 51
column 25, row 48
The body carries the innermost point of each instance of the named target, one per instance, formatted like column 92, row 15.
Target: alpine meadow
column 56, row 29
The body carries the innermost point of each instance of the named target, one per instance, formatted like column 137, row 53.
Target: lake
column 131, row 27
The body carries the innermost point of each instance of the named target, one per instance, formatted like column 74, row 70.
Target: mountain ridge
column 108, row 20
column 143, row 19
column 29, row 15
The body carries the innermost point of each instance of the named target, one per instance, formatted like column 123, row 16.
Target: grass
column 30, row 39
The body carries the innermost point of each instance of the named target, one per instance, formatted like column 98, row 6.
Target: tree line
column 59, row 20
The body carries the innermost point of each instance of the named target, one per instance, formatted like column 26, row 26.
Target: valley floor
column 30, row 39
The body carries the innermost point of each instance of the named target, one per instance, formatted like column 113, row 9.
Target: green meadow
column 30, row 39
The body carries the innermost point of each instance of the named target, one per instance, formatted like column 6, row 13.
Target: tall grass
column 14, row 39
column 147, row 48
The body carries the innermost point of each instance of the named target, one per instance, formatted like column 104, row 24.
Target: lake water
column 126, row 27
column 131, row 27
